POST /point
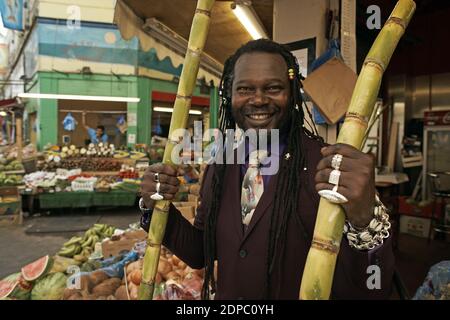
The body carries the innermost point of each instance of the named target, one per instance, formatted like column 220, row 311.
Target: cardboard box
column 10, row 207
column 330, row 87
column 419, row 227
column 127, row 241
column 194, row 189
column 12, row 219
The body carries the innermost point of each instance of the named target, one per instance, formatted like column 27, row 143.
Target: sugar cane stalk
column 197, row 39
column 319, row 269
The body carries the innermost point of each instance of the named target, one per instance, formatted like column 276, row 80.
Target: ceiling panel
column 226, row 32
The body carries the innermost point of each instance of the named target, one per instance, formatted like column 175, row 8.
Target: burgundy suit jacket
column 242, row 256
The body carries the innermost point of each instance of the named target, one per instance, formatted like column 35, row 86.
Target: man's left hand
column 356, row 183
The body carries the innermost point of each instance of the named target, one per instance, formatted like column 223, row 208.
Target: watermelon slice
column 6, row 287
column 15, row 287
column 37, row 269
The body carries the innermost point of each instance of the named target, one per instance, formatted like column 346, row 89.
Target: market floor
column 17, row 248
column 414, row 256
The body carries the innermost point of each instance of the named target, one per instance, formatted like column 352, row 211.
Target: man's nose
column 259, row 98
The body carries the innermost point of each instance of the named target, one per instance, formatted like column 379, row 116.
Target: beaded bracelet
column 374, row 234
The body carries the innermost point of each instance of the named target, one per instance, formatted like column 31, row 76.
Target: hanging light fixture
column 247, row 16
column 170, row 110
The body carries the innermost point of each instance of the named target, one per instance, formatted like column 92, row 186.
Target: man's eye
column 244, row 90
column 273, row 89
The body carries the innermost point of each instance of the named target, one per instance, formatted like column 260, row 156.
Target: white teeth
column 259, row 116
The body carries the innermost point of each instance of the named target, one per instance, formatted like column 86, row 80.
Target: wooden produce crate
column 10, row 206
column 127, row 241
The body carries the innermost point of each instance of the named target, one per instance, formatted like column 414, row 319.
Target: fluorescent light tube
column 76, row 97
column 170, row 110
column 250, row 21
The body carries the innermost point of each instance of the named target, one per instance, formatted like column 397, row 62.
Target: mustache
column 249, row 109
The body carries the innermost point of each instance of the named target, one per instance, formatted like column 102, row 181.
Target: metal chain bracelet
column 374, row 234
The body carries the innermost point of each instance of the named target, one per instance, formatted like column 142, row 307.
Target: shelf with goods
column 11, row 182
column 110, row 261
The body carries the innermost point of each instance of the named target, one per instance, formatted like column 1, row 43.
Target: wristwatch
column 142, row 206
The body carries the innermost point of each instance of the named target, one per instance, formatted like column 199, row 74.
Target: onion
column 164, row 267
column 133, row 266
column 158, row 278
column 133, row 291
column 172, row 275
column 175, row 260
column 200, row 272
column 181, row 272
column 136, row 276
column 182, row 265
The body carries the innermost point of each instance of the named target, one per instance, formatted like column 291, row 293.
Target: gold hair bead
column 291, row 73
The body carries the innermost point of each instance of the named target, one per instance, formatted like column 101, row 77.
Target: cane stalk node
column 203, row 11
column 353, row 116
column 149, row 283
column 326, row 245
column 152, row 244
column 397, row 21
column 372, row 62
column 179, row 96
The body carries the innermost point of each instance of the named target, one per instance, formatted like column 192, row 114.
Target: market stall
column 105, row 263
column 11, row 156
column 71, row 177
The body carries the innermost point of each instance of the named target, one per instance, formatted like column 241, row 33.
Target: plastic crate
column 66, row 200
column 114, row 198
column 84, row 184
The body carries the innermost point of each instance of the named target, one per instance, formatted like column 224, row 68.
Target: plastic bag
column 69, row 122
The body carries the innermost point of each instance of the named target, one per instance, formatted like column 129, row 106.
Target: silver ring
column 333, row 196
column 157, row 196
column 336, row 161
column 156, row 177
column 334, row 177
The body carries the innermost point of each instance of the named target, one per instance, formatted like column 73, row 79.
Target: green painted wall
column 144, row 111
column 145, row 88
column 47, row 117
column 214, row 108
column 77, row 84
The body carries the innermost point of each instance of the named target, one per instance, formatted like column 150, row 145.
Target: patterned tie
column 252, row 186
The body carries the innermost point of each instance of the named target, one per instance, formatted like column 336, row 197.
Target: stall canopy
column 226, row 32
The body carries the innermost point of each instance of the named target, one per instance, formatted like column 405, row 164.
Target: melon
column 15, row 287
column 37, row 269
column 50, row 287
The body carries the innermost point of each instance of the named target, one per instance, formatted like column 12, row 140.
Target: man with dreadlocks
column 261, row 247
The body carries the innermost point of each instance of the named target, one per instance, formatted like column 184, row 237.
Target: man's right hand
column 169, row 183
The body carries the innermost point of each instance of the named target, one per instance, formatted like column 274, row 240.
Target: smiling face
column 260, row 91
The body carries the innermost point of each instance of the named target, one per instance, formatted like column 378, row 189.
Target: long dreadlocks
column 288, row 185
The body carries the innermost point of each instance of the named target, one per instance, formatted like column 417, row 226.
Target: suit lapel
column 233, row 201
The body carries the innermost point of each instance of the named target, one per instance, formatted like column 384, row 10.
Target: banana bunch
column 80, row 248
column 135, row 155
column 119, row 154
